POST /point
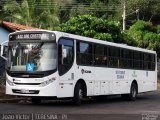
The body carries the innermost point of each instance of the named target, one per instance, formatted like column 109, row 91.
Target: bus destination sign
column 33, row 36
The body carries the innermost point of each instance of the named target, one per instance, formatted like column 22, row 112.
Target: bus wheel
column 36, row 101
column 78, row 94
column 133, row 92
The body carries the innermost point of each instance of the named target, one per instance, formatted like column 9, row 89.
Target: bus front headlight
column 46, row 82
column 10, row 83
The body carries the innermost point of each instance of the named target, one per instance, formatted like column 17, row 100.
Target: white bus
column 43, row 64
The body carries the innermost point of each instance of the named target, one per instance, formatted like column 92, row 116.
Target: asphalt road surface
column 146, row 107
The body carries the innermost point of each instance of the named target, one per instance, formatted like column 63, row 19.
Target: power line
column 74, row 3
column 73, row 6
column 67, row 5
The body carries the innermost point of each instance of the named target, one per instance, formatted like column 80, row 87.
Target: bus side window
column 105, row 57
column 65, row 55
column 100, row 55
column 84, row 53
column 152, row 61
column 114, row 55
column 138, row 60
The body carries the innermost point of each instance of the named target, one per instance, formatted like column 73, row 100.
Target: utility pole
column 124, row 15
column 137, row 13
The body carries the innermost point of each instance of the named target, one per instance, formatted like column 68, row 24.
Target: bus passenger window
column 114, row 55
column 84, row 53
column 99, row 55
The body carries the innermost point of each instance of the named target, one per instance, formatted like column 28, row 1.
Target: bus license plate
column 25, row 91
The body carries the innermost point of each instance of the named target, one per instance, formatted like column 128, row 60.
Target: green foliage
column 104, row 36
column 128, row 40
column 148, row 9
column 108, row 9
column 137, row 32
column 2, row 13
column 158, row 29
column 145, row 35
column 84, row 1
column 94, row 27
column 30, row 12
column 101, row 23
column 141, row 26
column 151, row 37
column 141, row 34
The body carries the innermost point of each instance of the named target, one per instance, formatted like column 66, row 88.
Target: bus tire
column 78, row 94
column 36, row 101
column 133, row 93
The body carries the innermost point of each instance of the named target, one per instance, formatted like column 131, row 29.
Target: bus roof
column 87, row 39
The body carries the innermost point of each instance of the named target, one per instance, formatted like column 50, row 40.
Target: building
column 8, row 27
column 5, row 29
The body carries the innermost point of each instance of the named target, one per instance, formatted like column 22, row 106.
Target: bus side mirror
column 3, row 50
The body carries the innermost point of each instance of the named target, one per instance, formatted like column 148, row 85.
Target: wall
column 3, row 37
column 3, row 34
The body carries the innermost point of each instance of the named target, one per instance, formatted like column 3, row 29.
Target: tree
column 89, row 26
column 32, row 13
column 148, row 9
column 2, row 12
column 48, row 14
column 137, row 31
column 145, row 35
column 106, row 9
column 19, row 12
column 127, row 39
column 158, row 29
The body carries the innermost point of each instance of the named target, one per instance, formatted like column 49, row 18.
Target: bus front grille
column 23, row 91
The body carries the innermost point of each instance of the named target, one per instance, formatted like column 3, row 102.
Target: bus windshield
column 32, row 57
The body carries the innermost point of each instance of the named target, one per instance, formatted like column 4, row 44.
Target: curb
column 11, row 100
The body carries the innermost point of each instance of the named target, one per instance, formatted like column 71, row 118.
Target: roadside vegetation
column 100, row 19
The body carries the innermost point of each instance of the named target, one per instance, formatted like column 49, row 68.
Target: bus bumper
column 32, row 90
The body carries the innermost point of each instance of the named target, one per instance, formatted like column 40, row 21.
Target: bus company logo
column 85, row 71
column 82, row 71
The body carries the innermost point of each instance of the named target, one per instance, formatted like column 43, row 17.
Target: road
column 146, row 107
